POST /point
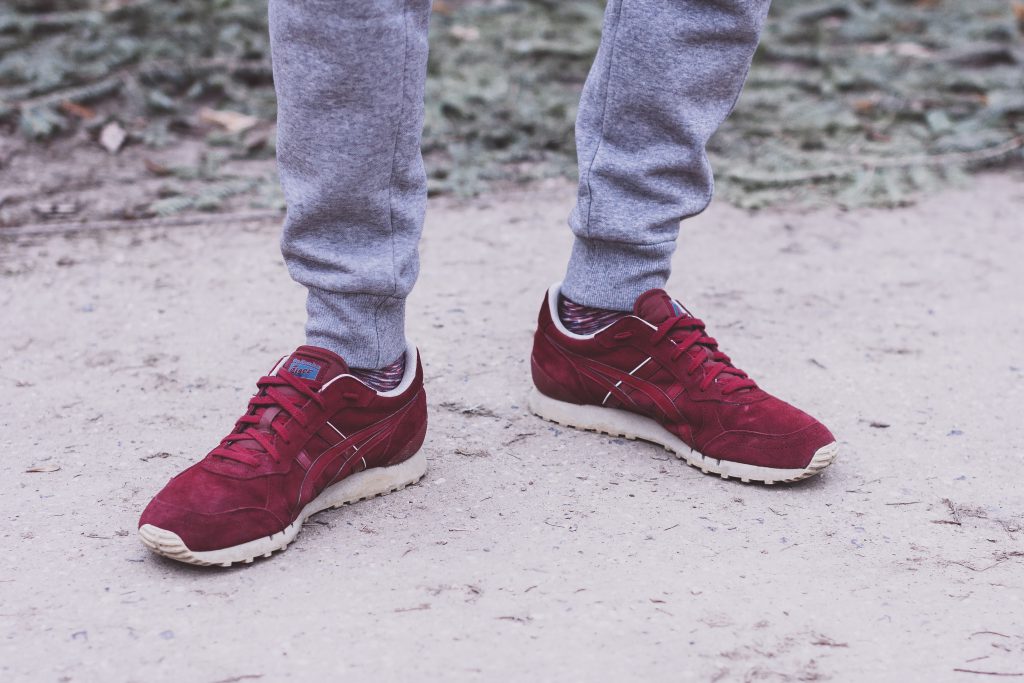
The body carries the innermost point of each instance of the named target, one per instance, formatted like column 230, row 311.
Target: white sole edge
column 354, row 488
column 631, row 426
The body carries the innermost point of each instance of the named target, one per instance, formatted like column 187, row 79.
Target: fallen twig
column 954, row 511
column 518, row 437
column 31, row 229
column 838, row 172
column 241, row 677
column 417, row 608
column 475, row 411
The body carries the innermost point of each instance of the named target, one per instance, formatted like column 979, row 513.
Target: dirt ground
column 532, row 552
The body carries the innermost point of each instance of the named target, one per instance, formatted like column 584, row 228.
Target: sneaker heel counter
column 553, row 374
column 411, row 433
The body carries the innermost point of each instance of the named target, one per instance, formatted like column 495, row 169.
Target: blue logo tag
column 304, row 369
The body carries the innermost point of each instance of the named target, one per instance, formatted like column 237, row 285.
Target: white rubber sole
column 360, row 486
column 616, row 422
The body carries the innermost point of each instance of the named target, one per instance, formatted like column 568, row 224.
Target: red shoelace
column 272, row 394
column 715, row 362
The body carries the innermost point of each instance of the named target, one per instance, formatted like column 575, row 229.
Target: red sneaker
column 314, row 437
column 655, row 375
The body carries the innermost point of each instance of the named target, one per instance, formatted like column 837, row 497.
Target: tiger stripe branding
column 305, row 369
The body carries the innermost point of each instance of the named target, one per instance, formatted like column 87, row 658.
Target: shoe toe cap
column 790, row 451
column 203, row 531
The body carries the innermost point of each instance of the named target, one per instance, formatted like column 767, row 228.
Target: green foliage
column 210, row 199
column 503, row 88
column 856, row 101
column 163, row 52
column 873, row 102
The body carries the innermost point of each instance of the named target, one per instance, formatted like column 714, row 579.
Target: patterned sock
column 385, row 379
column 580, row 319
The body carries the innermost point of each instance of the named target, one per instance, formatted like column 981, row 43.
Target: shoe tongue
column 313, row 364
column 656, row 306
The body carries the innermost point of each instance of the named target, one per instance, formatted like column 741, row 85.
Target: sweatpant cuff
column 367, row 330
column 613, row 275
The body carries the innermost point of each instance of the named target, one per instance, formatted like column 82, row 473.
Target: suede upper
column 301, row 434
column 660, row 363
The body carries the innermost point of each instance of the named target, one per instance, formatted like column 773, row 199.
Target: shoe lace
column 688, row 332
column 274, row 391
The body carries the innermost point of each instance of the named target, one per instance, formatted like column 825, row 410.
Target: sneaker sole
column 357, row 487
column 631, row 426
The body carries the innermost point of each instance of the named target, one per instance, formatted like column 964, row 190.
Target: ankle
column 382, row 379
column 580, row 319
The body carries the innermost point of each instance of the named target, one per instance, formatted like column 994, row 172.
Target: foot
column 314, row 437
column 656, row 375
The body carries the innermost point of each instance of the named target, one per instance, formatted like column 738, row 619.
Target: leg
column 667, row 74
column 349, row 78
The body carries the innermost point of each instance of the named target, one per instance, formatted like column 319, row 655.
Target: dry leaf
column 43, row 468
column 231, row 121
column 112, row 137
column 465, row 33
column 75, row 109
column 156, row 168
column 256, row 139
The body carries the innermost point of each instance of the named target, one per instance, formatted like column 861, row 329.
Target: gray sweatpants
column 350, row 77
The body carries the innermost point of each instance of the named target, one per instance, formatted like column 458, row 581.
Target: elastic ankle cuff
column 613, row 274
column 367, row 330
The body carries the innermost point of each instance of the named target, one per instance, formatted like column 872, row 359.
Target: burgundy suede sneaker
column 314, row 437
column 656, row 376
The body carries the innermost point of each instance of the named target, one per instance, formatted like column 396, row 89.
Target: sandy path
column 530, row 552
